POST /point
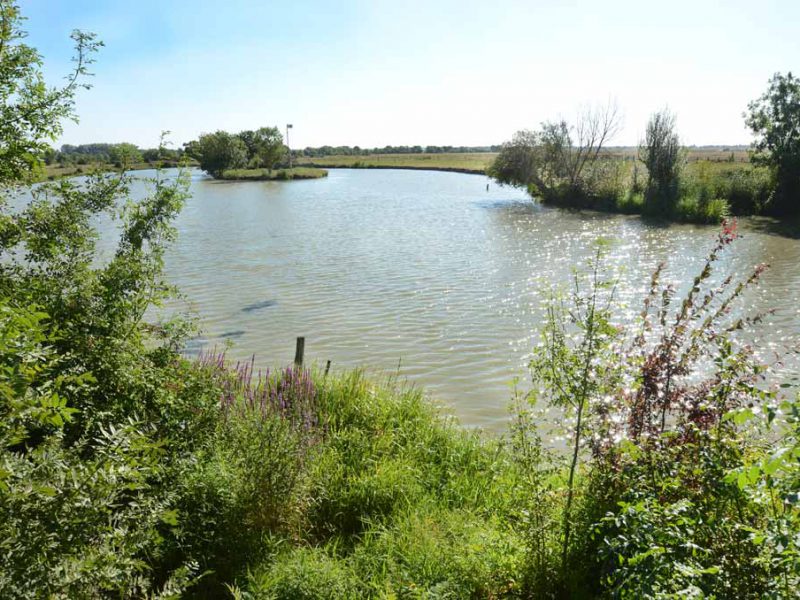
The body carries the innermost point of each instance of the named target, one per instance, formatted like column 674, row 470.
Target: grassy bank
column 273, row 175
column 478, row 162
column 709, row 191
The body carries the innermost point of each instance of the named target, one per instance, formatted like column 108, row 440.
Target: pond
column 430, row 274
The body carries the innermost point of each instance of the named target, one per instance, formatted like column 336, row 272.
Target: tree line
column 358, row 151
column 120, row 154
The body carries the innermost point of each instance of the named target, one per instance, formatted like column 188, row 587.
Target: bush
column 437, row 553
column 696, row 210
column 303, row 573
column 630, row 202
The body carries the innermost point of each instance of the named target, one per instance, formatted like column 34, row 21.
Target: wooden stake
column 299, row 351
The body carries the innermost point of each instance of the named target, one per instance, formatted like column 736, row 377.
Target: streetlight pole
column 288, row 127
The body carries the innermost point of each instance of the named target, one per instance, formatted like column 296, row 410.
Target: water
column 429, row 272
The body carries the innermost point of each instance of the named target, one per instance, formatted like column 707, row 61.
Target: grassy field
column 274, row 175
column 732, row 155
column 473, row 162
column 477, row 162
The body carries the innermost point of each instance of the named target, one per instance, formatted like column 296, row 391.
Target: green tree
column 661, row 154
column 31, row 111
column 775, row 120
column 265, row 147
column 125, row 154
column 86, row 403
column 217, row 152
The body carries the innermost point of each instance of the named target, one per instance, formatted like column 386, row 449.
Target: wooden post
column 327, row 368
column 299, row 350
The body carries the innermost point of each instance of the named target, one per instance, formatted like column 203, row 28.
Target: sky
column 438, row 72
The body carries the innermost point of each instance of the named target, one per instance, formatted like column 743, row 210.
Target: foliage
column 125, row 154
column 775, row 120
column 557, row 162
column 222, row 151
column 661, row 155
column 571, row 368
column 30, row 111
column 265, row 147
column 217, row 152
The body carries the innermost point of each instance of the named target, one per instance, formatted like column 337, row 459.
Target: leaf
column 170, row 517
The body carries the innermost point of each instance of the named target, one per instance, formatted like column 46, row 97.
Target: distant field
column 477, row 162
column 472, row 162
column 738, row 154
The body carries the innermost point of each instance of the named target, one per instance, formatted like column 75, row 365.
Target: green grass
column 393, row 499
column 274, row 175
column 477, row 162
column 469, row 162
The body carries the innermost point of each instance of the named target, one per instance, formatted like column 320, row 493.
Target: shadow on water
column 233, row 334
column 522, row 206
column 259, row 305
column 769, row 226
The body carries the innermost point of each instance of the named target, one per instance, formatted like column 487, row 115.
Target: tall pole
column 288, row 127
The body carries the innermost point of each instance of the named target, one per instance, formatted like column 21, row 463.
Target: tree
column 217, row 152
column 31, row 112
column 775, row 120
column 151, row 155
column 82, row 422
column 661, row 154
column 125, row 154
column 557, row 161
column 265, row 147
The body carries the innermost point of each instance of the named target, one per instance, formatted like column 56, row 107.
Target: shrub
column 303, row 573
column 438, row 553
column 630, row 202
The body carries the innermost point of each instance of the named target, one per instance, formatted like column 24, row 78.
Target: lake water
column 428, row 272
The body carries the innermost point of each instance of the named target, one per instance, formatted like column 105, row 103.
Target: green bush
column 438, row 553
column 300, row 574
column 696, row 210
column 630, row 202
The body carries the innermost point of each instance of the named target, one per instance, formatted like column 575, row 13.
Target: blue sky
column 373, row 73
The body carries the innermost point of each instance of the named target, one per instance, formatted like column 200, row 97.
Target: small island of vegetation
column 252, row 155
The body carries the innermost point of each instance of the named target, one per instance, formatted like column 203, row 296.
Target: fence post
column 299, row 351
